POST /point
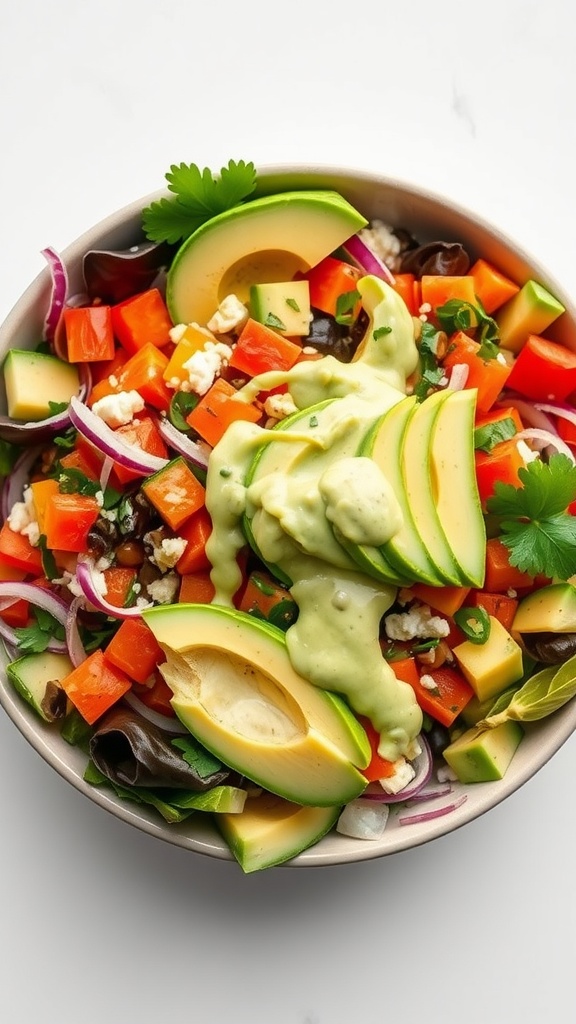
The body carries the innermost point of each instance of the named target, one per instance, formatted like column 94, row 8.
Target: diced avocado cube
column 483, row 755
column 547, row 610
column 530, row 311
column 36, row 678
column 34, row 380
column 284, row 306
column 492, row 666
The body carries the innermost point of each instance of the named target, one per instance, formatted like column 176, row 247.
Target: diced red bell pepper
column 68, row 519
column 89, row 335
column 95, row 685
column 195, row 531
column 17, row 551
column 135, row 650
column 144, row 433
column 543, row 370
column 142, row 320
column 500, row 465
column 329, row 280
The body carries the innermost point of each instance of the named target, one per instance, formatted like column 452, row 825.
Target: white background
column 99, row 922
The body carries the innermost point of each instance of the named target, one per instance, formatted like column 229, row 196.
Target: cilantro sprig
column 459, row 315
column 535, row 526
column 198, row 196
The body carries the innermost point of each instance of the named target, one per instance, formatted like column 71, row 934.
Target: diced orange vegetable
column 491, row 286
column 196, row 588
column 500, row 606
column 543, row 370
column 500, row 465
column 442, row 599
column 379, row 767
column 89, row 336
column 10, row 573
column 329, row 280
column 94, row 686
column 17, row 613
column 408, row 287
column 119, row 581
column 487, row 375
column 195, row 531
column 142, row 320
column 109, row 368
column 450, row 696
column 67, row 520
column 135, row 650
column 217, row 410
column 17, row 551
column 259, row 349
column 500, row 575
column 144, row 433
column 175, row 492
column 493, row 415
column 262, row 593
column 76, row 459
column 41, row 492
column 142, row 372
column 437, row 289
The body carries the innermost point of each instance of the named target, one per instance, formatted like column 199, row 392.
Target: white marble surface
column 102, row 923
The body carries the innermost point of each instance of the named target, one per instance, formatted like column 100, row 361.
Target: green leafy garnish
column 430, row 373
column 181, row 405
column 535, row 527
column 541, row 695
column 293, row 305
column 56, row 407
column 8, row 455
column 380, row 332
column 491, row 434
column 274, row 321
column 201, row 760
column 345, row 307
column 34, row 638
column 49, row 566
column 458, row 315
column 74, row 481
column 198, row 196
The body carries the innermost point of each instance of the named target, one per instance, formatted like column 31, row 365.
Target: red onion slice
column 423, row 765
column 59, row 292
column 564, row 412
column 13, row 487
column 173, row 725
column 185, row 446
column 437, row 812
column 531, row 415
column 366, row 260
column 109, row 443
column 42, row 598
column 87, row 582
column 546, row 439
column 458, row 377
column 73, row 641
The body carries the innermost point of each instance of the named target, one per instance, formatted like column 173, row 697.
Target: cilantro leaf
column 35, row 637
column 535, row 527
column 459, row 315
column 198, row 196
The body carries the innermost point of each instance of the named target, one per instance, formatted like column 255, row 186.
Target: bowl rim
column 197, row 836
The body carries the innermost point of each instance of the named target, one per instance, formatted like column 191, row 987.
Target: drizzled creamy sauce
column 301, row 488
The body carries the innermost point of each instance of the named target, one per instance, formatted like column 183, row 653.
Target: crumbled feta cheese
column 363, row 819
column 380, row 238
column 164, row 591
column 230, row 315
column 403, row 774
column 418, row 622
column 99, row 498
column 428, row 682
column 168, row 552
column 68, row 579
column 21, row 518
column 117, row 410
column 445, row 774
column 279, row 406
column 177, row 332
column 205, row 365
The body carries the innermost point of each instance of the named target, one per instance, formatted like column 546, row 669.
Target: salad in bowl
column 288, row 541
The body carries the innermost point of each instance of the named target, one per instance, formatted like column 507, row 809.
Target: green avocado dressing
column 312, row 489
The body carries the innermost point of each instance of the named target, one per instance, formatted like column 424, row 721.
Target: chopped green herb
column 458, row 315
column 49, row 566
column 225, row 472
column 491, row 434
column 204, row 763
column 313, row 421
column 181, row 405
column 65, row 441
column 198, row 196
column 380, row 332
column 293, row 305
column 345, row 306
column 274, row 321
column 430, row 373
column 56, row 407
column 34, row 638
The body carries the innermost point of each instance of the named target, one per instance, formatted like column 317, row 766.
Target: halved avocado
column 235, row 689
column 271, row 830
column 549, row 609
column 268, row 239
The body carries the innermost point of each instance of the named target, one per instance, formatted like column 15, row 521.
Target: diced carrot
column 500, row 575
column 500, row 465
column 17, row 551
column 67, row 520
column 41, row 492
column 442, row 599
column 89, row 335
column 543, row 370
column 329, row 280
column 94, row 686
column 196, row 588
column 491, row 286
column 175, row 492
column 500, row 606
column 119, row 581
column 142, row 320
column 259, row 349
column 195, row 531
column 487, row 375
column 135, row 650
column 437, row 289
column 217, row 409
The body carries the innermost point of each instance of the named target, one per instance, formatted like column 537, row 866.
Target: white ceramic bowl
column 429, row 217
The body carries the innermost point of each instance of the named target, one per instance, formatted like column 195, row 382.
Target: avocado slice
column 268, row 239
column 270, row 830
column 32, row 676
column 547, row 610
column 236, row 691
column 483, row 755
column 34, row 380
column 530, row 311
column 282, row 305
